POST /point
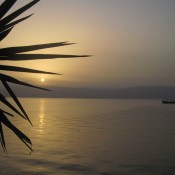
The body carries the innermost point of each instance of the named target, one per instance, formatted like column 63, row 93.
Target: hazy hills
column 139, row 92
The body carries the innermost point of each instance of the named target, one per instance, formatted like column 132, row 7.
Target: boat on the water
column 168, row 101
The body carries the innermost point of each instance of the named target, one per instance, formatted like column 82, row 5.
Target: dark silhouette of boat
column 168, row 101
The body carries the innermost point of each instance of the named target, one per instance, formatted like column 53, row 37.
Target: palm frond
column 16, row 100
column 5, row 33
column 12, row 24
column 7, row 23
column 17, row 13
column 6, row 6
column 5, row 112
column 22, row 69
column 24, row 57
column 20, row 135
column 9, row 105
column 21, row 49
column 6, row 78
column 2, row 136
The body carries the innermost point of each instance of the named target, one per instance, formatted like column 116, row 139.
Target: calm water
column 93, row 137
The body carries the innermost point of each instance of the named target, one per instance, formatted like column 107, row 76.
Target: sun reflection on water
column 41, row 115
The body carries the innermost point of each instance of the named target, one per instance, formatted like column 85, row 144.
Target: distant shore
column 139, row 92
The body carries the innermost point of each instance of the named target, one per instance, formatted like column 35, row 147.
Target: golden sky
column 132, row 42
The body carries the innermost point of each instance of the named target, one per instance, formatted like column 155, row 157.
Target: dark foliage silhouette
column 7, row 23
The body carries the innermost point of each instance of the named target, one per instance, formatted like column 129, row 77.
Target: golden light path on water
column 41, row 115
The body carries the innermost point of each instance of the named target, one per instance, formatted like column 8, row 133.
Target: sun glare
column 42, row 80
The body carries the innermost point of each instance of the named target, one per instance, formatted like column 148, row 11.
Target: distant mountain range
column 139, row 92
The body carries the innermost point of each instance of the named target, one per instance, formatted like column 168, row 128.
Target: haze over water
column 93, row 137
column 132, row 43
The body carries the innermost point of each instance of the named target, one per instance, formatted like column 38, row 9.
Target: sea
column 92, row 137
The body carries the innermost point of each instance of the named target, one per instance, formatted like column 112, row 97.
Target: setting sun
column 42, row 80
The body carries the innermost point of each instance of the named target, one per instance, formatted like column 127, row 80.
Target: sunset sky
column 132, row 42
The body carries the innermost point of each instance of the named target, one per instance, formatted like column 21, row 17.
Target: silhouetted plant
column 7, row 23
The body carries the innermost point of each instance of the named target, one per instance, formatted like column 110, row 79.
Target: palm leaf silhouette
column 22, row 69
column 7, row 23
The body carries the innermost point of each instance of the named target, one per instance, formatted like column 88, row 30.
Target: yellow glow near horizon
column 135, row 51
